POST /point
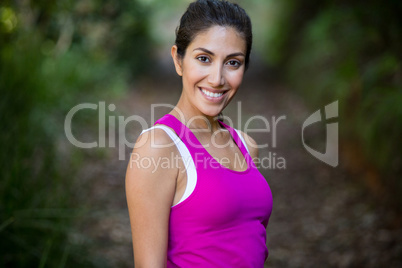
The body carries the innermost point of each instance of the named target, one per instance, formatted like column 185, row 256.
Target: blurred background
column 62, row 206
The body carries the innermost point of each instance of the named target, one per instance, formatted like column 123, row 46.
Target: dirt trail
column 322, row 217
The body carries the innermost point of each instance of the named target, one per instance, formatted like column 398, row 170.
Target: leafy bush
column 351, row 52
column 50, row 60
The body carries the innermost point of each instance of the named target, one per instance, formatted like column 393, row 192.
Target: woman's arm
column 150, row 190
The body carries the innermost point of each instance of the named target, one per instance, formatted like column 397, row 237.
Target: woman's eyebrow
column 205, row 50
column 213, row 54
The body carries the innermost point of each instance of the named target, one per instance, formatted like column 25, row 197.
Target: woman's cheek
column 236, row 79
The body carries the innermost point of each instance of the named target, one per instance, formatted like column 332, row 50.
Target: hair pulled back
column 203, row 14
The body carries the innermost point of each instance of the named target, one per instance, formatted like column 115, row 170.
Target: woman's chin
column 212, row 112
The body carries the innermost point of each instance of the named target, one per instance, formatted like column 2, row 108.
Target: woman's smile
column 213, row 95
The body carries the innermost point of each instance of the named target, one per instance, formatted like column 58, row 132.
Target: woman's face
column 212, row 69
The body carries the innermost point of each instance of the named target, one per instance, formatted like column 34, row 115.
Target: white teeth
column 210, row 94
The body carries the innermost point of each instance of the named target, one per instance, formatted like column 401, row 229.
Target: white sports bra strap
column 242, row 139
column 185, row 156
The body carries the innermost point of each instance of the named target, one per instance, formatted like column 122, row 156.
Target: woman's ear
column 177, row 60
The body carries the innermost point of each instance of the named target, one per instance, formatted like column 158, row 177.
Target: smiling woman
column 209, row 209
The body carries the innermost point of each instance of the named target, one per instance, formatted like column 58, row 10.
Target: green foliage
column 350, row 52
column 52, row 57
column 134, row 45
column 34, row 191
column 278, row 28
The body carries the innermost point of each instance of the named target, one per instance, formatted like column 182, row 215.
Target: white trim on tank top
column 187, row 159
column 242, row 140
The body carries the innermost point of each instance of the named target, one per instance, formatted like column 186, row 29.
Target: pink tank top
column 223, row 221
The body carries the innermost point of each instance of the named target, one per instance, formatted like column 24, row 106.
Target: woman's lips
column 213, row 96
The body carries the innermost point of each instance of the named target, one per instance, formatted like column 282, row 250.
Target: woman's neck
column 193, row 118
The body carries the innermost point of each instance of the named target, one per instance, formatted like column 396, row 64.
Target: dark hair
column 203, row 14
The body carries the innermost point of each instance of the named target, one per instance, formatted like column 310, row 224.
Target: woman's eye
column 203, row 59
column 234, row 63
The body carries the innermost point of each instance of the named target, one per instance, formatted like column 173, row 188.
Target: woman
column 205, row 204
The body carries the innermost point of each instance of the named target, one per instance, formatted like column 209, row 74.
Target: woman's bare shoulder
column 153, row 158
column 156, row 141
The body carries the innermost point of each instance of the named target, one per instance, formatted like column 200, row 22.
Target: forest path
column 322, row 217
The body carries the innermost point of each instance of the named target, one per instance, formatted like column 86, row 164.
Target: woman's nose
column 215, row 77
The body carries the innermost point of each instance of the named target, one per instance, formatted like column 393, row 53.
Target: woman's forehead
column 217, row 38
